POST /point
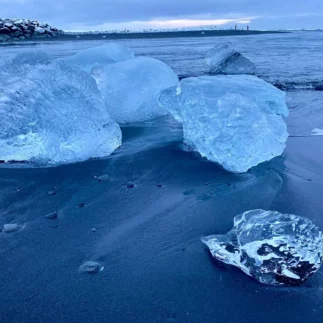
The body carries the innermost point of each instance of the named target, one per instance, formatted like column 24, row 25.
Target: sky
column 145, row 14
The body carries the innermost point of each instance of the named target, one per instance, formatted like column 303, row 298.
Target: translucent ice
column 130, row 88
column 235, row 121
column 100, row 56
column 51, row 112
column 271, row 247
column 224, row 59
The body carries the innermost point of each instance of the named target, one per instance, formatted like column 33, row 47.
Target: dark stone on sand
column 130, row 185
column 52, row 216
column 90, row 267
column 81, row 205
column 5, row 31
column 159, row 185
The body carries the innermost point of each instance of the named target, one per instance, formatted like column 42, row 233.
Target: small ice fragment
column 9, row 228
column 224, row 59
column 317, row 132
column 90, row 267
column 51, row 192
column 274, row 248
column 290, row 274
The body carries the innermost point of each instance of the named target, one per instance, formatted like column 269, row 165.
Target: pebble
column 90, row 267
column 51, row 193
column 102, row 178
column 130, row 185
column 9, row 228
column 51, row 216
column 94, row 230
column 81, row 205
column 159, row 185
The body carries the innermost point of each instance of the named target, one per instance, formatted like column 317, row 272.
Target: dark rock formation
column 21, row 29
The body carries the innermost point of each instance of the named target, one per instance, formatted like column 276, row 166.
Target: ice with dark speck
column 274, row 248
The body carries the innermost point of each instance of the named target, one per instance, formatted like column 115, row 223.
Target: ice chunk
column 100, row 56
column 224, row 59
column 271, row 247
column 130, row 88
column 53, row 113
column 235, row 121
column 168, row 98
column 317, row 132
column 31, row 58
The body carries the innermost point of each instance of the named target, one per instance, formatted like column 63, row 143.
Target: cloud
column 85, row 14
column 160, row 24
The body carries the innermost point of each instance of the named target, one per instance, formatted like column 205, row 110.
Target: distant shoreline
column 162, row 34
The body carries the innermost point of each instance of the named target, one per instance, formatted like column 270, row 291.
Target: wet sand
column 148, row 237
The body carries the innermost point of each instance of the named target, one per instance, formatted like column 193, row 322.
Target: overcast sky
column 138, row 14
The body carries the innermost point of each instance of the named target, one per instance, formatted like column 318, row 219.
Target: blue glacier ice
column 52, row 113
column 224, row 59
column 130, row 88
column 236, row 121
column 274, row 248
column 100, row 56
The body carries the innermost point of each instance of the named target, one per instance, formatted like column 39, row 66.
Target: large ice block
column 100, row 56
column 130, row 88
column 52, row 113
column 236, row 121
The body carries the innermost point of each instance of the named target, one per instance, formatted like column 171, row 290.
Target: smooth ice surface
column 235, row 121
column 100, row 56
column 130, row 88
column 223, row 59
column 273, row 248
column 52, row 113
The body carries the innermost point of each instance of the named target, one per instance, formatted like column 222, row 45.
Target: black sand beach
column 147, row 237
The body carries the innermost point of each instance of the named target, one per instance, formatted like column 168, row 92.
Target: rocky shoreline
column 21, row 29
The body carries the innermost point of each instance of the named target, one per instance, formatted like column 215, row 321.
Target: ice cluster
column 224, row 59
column 236, row 121
column 98, row 57
column 53, row 113
column 271, row 247
column 130, row 88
